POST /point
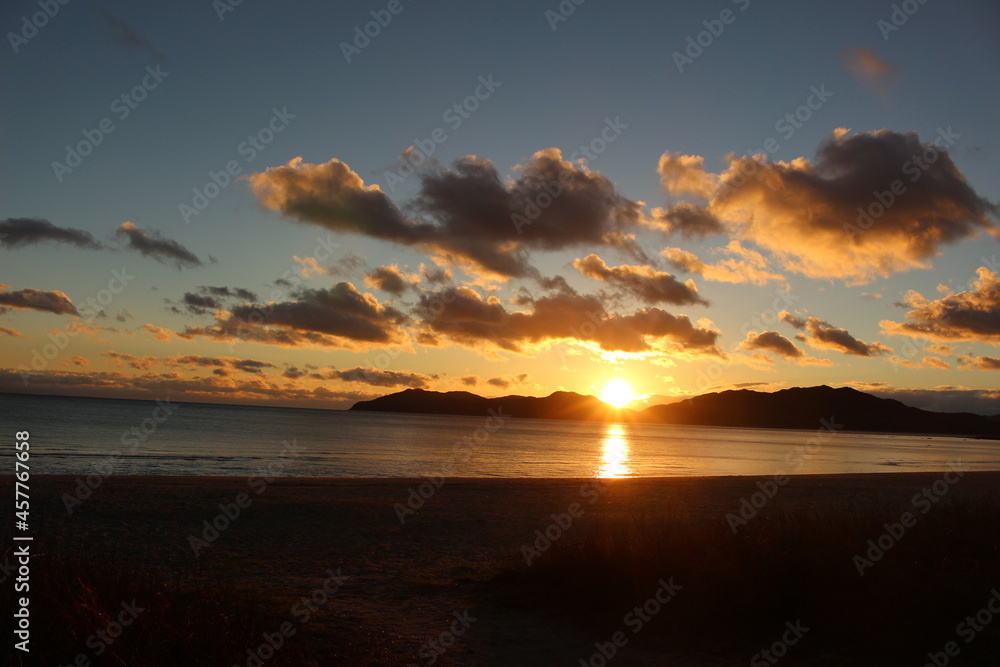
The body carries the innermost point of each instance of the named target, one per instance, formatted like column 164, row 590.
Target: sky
column 312, row 203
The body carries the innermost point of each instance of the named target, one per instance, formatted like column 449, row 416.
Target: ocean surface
column 84, row 436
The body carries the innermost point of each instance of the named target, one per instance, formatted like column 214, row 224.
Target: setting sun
column 617, row 392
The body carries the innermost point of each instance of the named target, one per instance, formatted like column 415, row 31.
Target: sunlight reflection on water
column 614, row 453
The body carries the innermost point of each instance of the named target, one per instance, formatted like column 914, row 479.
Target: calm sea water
column 76, row 435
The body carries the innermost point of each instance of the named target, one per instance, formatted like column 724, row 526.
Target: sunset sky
column 606, row 199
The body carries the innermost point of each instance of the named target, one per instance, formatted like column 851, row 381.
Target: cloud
column 20, row 232
column 125, row 35
column 824, row 219
column 467, row 318
column 968, row 362
column 824, row 336
column 873, row 72
column 382, row 378
column 688, row 220
column 33, row 299
column 972, row 315
column 389, row 279
column 643, row 282
column 159, row 333
column 309, row 266
column 79, row 361
column 685, row 175
column 926, row 362
column 139, row 363
column 772, row 341
column 267, row 390
column 792, row 320
column 467, row 214
column 153, row 244
column 506, row 381
column 470, row 380
column 940, row 399
column 208, row 298
column 744, row 266
column 340, row 316
column 7, row 331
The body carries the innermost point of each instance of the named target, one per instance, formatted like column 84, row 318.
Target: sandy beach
column 400, row 584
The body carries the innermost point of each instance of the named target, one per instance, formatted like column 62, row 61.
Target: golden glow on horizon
column 618, row 393
column 614, row 453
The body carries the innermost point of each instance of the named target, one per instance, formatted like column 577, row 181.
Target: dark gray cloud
column 382, row 378
column 388, row 279
column 467, row 214
column 20, row 232
column 822, row 335
column 34, row 299
column 153, row 244
column 128, row 37
column 340, row 316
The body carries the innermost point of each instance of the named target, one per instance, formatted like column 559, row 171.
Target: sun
column 617, row 392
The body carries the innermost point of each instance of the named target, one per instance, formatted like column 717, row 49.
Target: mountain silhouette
column 798, row 408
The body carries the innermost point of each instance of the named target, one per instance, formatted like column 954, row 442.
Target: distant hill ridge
column 798, row 408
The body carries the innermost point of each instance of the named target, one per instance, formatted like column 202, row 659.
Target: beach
column 398, row 562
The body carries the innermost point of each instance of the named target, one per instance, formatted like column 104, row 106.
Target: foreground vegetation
column 739, row 590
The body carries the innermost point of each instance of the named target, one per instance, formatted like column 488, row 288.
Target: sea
column 77, row 436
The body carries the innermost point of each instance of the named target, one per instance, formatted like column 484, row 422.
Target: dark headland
column 798, row 408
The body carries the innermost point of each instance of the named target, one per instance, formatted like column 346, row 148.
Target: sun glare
column 617, row 392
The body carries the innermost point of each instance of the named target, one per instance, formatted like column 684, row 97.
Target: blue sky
column 226, row 75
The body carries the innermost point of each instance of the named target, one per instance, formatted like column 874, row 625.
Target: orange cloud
column 469, row 319
column 468, row 214
column 873, row 72
column 871, row 205
column 642, row 282
column 772, row 341
column 972, row 315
